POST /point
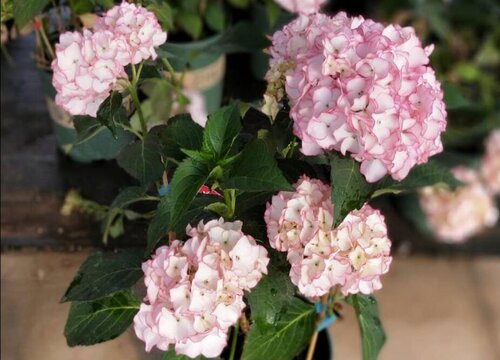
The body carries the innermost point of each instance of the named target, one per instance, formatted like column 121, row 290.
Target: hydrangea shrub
column 253, row 242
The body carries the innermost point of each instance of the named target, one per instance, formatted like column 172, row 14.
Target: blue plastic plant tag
column 319, row 307
column 327, row 322
column 164, row 190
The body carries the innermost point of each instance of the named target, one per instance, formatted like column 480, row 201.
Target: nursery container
column 203, row 67
column 102, row 146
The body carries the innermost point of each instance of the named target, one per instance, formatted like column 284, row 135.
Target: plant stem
column 46, row 41
column 170, row 70
column 234, row 340
column 135, row 97
column 230, row 199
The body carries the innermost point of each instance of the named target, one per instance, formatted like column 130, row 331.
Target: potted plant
column 259, row 227
column 48, row 20
column 184, row 65
column 201, row 33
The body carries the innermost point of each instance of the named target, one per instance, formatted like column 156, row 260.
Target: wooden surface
column 36, row 176
column 435, row 308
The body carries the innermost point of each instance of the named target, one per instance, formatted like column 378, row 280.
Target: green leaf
column 197, row 155
column 256, row 170
column 160, row 224
column 189, row 176
column 26, row 10
column 191, row 23
column 159, row 92
column 243, row 37
column 242, row 4
column 221, row 209
column 93, row 322
column 215, row 16
column 103, row 274
column 248, row 200
column 221, row 130
column 453, row 98
column 130, row 195
column 270, row 298
column 82, row 6
column 372, row 332
column 273, row 12
column 164, row 13
column 106, row 4
column 287, row 339
column 181, row 132
column 240, row 38
column 86, row 127
column 142, row 159
column 349, row 188
column 431, row 173
column 111, row 112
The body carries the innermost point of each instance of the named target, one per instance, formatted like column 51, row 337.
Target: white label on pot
column 58, row 115
column 206, row 77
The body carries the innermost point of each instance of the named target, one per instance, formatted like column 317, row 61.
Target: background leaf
column 103, row 274
column 93, row 322
column 215, row 16
column 453, row 98
column 191, row 23
column 25, row 10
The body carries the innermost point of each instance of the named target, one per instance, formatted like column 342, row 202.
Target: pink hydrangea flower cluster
column 87, row 66
column 353, row 256
column 454, row 216
column 356, row 86
column 136, row 25
column 490, row 165
column 195, row 289
column 301, row 6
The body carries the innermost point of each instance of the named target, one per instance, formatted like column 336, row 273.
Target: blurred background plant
column 466, row 35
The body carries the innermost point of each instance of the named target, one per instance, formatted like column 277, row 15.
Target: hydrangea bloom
column 454, row 216
column 356, row 86
column 137, row 26
column 301, row 6
column 87, row 66
column 195, row 289
column 490, row 166
column 352, row 256
column 86, row 70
